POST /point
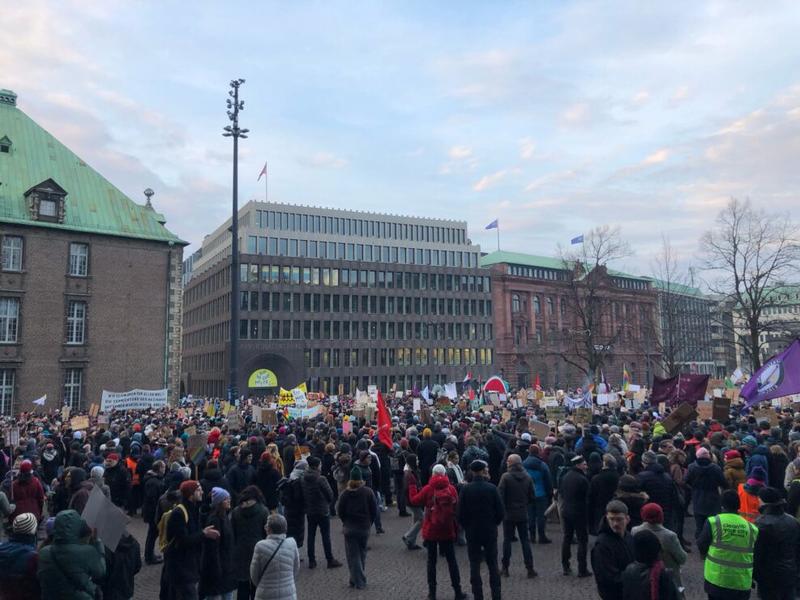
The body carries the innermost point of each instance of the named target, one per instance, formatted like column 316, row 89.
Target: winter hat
column 731, row 454
column 646, row 547
column 652, row 513
column 25, row 524
column 188, row 488
column 649, row 457
column 26, row 466
column 577, row 460
column 758, row 474
column 749, row 440
column 526, row 437
column 476, row 466
column 702, row 453
column 113, row 456
column 768, row 495
column 355, row 474
column 550, row 440
column 97, row 472
column 628, row 483
column 218, row 496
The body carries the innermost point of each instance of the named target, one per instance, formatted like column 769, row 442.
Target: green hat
column 355, row 474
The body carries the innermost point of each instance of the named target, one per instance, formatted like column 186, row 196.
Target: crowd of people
column 239, row 516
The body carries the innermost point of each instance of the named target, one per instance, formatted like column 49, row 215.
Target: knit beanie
column 731, row 454
column 25, row 524
column 702, row 453
column 646, row 547
column 218, row 496
column 355, row 474
column 188, row 488
column 26, row 466
column 758, row 474
column 97, row 472
column 652, row 513
column 648, row 458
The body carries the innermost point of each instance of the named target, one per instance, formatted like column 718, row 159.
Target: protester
column 517, row 493
column 672, row 553
column 630, row 494
column 317, row 496
column 727, row 541
column 748, row 494
column 248, row 522
column 217, row 577
column 154, row 487
column 480, row 511
column 648, row 578
column 777, row 548
column 122, row 565
column 602, row 488
column 539, row 472
column 612, row 552
column 705, row 480
column 357, row 510
column 573, row 492
column 118, row 479
column 291, row 494
column 276, row 563
column 27, row 492
column 411, row 479
column 71, row 566
column 19, row 561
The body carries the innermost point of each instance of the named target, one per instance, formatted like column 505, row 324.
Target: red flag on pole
column 384, row 423
column 537, row 384
column 263, row 172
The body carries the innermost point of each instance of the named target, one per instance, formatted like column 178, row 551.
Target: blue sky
column 551, row 116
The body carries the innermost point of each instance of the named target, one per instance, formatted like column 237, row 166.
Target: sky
column 553, row 117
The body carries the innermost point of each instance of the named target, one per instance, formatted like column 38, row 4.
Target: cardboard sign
column 416, row 405
column 269, row 417
column 683, row 414
column 65, row 410
column 766, row 414
column 583, row 415
column 100, row 513
column 505, row 416
column 77, row 423
column 556, row 413
column 721, row 409
column 257, row 414
column 539, row 429
column 234, row 422
column 548, row 401
column 705, row 410
column 102, row 419
column 94, row 410
column 196, row 447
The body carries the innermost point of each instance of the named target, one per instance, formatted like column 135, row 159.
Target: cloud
column 322, row 160
column 657, row 157
column 489, row 180
column 641, row 98
column 527, row 148
column 459, row 152
column 461, row 159
column 680, row 95
column 575, row 114
column 550, row 179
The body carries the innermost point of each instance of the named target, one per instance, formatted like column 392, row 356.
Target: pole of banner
column 498, row 237
column 266, row 181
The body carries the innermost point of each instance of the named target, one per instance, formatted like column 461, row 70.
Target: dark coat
column 118, row 480
column 217, row 573
column 294, row 509
column 480, row 509
column 248, row 524
column 657, row 484
column 182, row 558
column 776, row 559
column 121, row 567
column 239, row 477
column 357, row 509
column 705, row 478
column 611, row 554
column 18, row 562
column 517, row 493
column 317, row 494
column 573, row 493
column 601, row 491
column 267, row 478
column 154, row 486
column 427, row 458
column 636, row 583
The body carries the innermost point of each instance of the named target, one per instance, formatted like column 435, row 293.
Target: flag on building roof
column 780, row 376
column 576, row 240
column 263, row 172
column 493, row 225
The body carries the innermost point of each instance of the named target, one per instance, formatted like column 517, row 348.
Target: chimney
column 8, row 97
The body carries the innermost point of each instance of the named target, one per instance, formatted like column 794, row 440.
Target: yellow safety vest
column 729, row 563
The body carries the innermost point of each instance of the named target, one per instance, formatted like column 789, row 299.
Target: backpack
column 163, row 542
column 442, row 512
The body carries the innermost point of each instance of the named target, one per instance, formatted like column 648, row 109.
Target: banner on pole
column 133, row 400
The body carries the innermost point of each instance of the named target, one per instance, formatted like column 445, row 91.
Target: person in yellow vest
column 727, row 542
column 748, row 494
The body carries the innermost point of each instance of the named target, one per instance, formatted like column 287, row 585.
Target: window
column 12, row 253
column 78, row 260
column 6, row 391
column 5, row 145
column 73, row 379
column 516, row 305
column 9, row 320
column 537, row 305
column 76, row 322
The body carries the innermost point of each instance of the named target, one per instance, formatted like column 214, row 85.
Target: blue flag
column 492, row 225
column 575, row 240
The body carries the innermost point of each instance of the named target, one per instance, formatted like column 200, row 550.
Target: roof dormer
column 46, row 201
column 5, row 145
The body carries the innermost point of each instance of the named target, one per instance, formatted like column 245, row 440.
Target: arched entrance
column 267, row 372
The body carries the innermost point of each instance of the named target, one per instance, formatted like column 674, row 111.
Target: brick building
column 337, row 298
column 89, row 280
column 537, row 328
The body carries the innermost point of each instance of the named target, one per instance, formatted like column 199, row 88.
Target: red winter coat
column 28, row 495
column 424, row 497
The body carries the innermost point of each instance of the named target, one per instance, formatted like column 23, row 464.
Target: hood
column 439, row 482
column 518, row 473
column 532, row 463
column 311, row 475
column 734, row 463
column 703, row 463
column 212, row 474
column 78, row 476
column 67, row 528
column 762, row 450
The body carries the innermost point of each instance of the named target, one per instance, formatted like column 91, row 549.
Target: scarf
column 655, row 576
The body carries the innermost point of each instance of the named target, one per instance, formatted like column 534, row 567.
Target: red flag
column 384, row 423
column 263, row 172
column 537, row 384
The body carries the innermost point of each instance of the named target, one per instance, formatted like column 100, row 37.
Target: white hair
column 439, row 470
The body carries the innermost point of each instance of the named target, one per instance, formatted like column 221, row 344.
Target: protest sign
column 705, row 410
column 556, row 413
column 234, row 422
column 77, row 423
column 257, row 414
column 684, row 413
column 416, row 404
column 603, row 399
column 583, row 415
column 133, row 400
column 269, row 416
column 191, row 430
column 102, row 419
column 505, row 416
column 101, row 514
column 721, row 409
column 766, row 414
column 299, row 396
column 94, row 410
column 196, row 446
column 549, row 401
column 539, row 429
column 65, row 410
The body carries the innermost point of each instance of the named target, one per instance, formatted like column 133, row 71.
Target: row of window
column 12, row 256
column 375, row 305
column 519, row 304
column 275, row 329
column 395, row 357
column 271, row 246
column 75, row 321
column 399, row 280
column 537, row 273
column 71, row 391
column 365, row 228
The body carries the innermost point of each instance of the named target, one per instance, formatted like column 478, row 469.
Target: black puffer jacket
column 611, row 554
column 636, row 583
column 705, row 478
column 776, row 559
column 573, row 493
column 267, row 478
column 480, row 509
column 248, row 529
column 659, row 486
column 317, row 494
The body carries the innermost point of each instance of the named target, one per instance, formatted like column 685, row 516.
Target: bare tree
column 748, row 254
column 589, row 339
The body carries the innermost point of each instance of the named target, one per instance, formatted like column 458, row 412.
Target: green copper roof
column 93, row 204
column 676, row 288
column 525, row 260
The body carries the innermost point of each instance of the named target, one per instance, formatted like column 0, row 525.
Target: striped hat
column 25, row 524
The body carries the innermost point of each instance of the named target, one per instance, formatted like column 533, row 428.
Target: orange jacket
column 131, row 464
column 748, row 504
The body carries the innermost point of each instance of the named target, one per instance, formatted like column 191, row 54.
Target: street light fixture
column 234, row 106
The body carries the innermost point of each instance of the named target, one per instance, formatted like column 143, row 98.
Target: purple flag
column 780, row 376
column 681, row 388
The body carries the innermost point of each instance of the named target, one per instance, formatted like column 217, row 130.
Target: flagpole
column 498, row 236
column 266, row 181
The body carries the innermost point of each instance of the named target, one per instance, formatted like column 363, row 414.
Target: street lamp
column 234, row 106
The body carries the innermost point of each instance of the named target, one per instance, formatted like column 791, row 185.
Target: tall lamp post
column 233, row 130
